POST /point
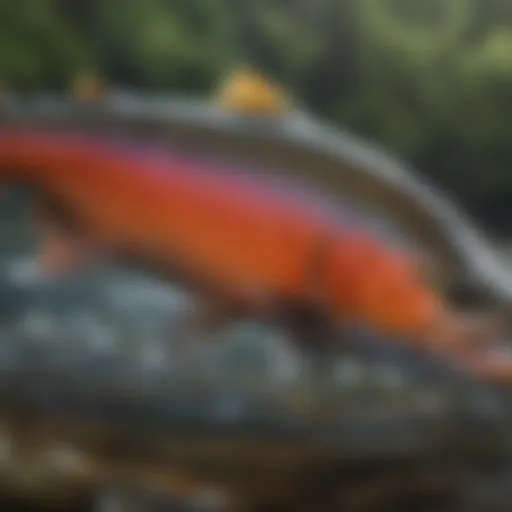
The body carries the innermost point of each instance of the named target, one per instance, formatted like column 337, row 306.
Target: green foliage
column 178, row 45
column 443, row 97
column 430, row 79
column 36, row 46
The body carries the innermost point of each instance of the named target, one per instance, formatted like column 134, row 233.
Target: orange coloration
column 246, row 241
column 368, row 280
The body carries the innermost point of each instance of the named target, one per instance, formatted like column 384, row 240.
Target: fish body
column 241, row 233
column 243, row 238
column 386, row 191
column 239, row 237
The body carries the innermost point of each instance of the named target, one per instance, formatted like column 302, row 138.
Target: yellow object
column 87, row 87
column 249, row 92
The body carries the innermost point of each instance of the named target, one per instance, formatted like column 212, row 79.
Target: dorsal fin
column 248, row 91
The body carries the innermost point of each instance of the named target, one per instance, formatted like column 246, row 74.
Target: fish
column 88, row 418
column 245, row 244
column 278, row 136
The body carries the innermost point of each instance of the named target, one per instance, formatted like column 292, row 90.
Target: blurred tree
column 184, row 44
column 430, row 79
column 437, row 96
column 36, row 45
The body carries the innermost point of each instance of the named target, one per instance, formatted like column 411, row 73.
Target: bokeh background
column 428, row 79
